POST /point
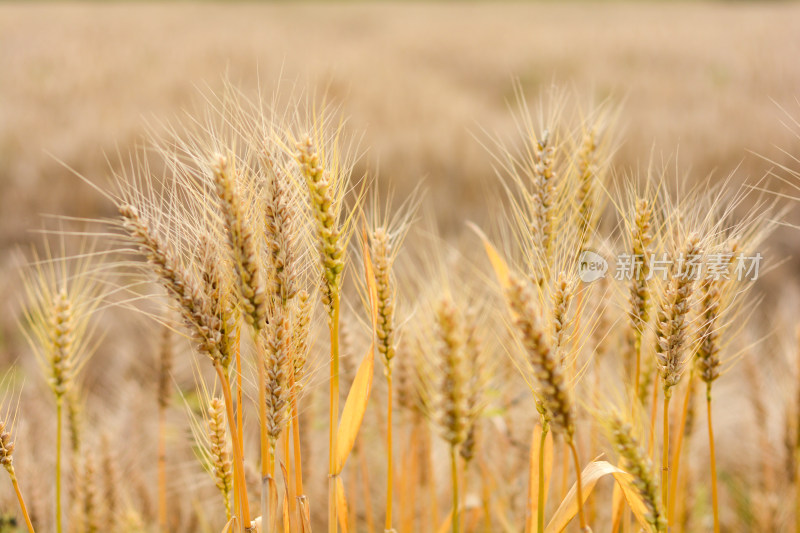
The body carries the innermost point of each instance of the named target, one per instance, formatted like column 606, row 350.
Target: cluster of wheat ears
column 248, row 224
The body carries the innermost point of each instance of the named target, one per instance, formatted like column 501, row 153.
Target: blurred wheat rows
column 462, row 385
column 419, row 81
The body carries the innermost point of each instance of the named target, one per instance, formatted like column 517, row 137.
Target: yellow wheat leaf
column 229, row 527
column 356, row 404
column 499, row 264
column 305, row 515
column 617, row 507
column 354, row 408
column 590, row 476
column 341, row 504
column 445, row 527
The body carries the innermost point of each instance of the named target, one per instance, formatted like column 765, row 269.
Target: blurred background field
column 706, row 87
column 700, row 86
column 79, row 82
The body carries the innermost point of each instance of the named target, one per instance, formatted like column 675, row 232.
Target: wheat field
column 399, row 267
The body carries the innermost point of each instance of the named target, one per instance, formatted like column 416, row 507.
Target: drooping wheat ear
column 329, row 242
column 475, row 383
column 178, row 280
column 453, row 407
column 381, row 250
column 220, row 458
column 221, row 299
column 553, row 391
column 280, row 226
column 672, row 324
column 543, row 196
column 277, row 399
column 90, row 519
column 301, row 327
column 241, row 240
column 562, row 297
column 555, row 397
column 587, row 174
column 638, row 465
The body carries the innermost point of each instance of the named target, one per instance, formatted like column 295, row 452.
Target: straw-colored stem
column 541, row 501
column 462, row 483
column 712, row 461
column 333, row 523
column 430, row 467
column 389, row 465
column 269, row 518
column 486, row 498
column 162, row 471
column 289, row 466
column 412, row 476
column 455, row 523
column 653, row 414
column 238, row 475
column 262, row 420
column 59, row 432
column 353, row 486
column 665, row 452
column 565, row 471
column 578, row 484
column 238, row 460
column 22, row 507
column 298, row 461
column 676, row 454
column 637, row 354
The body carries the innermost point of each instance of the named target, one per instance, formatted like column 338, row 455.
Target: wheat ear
column 553, row 392
column 671, row 335
column 331, row 254
column 639, row 292
column 218, row 450
column 7, row 462
column 637, row 464
column 453, row 409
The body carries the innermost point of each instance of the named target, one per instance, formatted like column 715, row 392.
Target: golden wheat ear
column 7, row 447
column 634, row 461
